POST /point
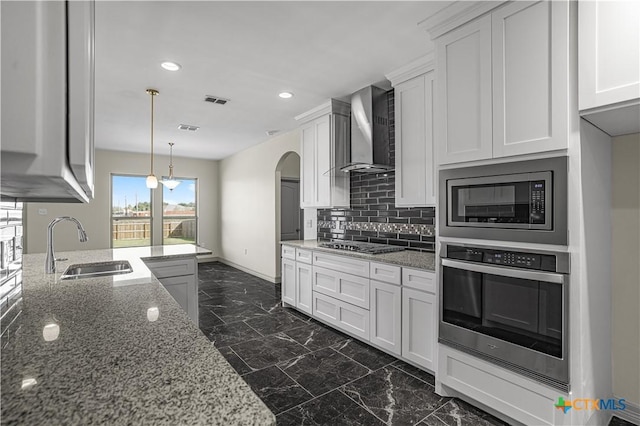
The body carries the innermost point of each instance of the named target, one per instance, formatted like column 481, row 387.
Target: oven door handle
column 524, row 274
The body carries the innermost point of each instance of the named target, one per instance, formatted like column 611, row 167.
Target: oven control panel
column 542, row 262
column 510, row 258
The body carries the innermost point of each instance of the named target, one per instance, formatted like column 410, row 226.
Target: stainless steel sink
column 98, row 269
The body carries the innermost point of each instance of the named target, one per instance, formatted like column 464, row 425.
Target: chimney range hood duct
column 370, row 151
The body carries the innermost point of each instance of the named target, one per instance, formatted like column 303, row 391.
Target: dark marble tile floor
column 308, row 373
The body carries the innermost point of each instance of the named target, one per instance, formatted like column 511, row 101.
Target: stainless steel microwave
column 524, row 201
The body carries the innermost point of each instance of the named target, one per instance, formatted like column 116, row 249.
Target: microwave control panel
column 536, row 202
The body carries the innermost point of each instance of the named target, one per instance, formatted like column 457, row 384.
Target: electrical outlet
column 42, row 212
column 245, row 251
column 309, row 223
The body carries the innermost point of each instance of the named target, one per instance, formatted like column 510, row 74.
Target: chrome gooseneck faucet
column 50, row 263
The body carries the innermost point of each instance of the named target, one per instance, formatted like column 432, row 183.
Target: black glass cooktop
column 360, row 247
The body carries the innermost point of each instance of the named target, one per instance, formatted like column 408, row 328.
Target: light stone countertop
column 114, row 361
column 407, row 258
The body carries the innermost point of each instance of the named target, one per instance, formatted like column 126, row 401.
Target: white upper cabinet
column 324, row 139
column 463, row 85
column 47, row 100
column 609, row 64
column 502, row 81
column 530, row 63
column 415, row 177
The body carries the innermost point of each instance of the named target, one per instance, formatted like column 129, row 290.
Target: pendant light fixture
column 170, row 183
column 152, row 181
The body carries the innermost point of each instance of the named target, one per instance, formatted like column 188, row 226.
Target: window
column 180, row 213
column 130, row 211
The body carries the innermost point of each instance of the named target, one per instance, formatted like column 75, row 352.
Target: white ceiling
column 247, row 52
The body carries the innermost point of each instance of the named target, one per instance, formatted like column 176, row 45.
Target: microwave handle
column 524, row 274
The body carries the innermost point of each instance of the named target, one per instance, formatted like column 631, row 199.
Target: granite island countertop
column 124, row 352
column 408, row 258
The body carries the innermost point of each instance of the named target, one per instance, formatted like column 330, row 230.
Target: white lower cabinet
column 179, row 278
column 513, row 395
column 183, row 289
column 345, row 316
column 391, row 307
column 385, row 316
column 419, row 323
column 303, row 293
column 347, row 287
column 289, row 281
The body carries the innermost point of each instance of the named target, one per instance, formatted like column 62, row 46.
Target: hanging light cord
column 152, row 92
column 170, row 160
column 152, row 95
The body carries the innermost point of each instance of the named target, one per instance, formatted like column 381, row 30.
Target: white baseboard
column 249, row 271
column 630, row 414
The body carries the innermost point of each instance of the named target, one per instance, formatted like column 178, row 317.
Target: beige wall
column 626, row 267
column 95, row 216
column 248, row 190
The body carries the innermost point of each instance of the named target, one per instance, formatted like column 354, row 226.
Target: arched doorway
column 289, row 215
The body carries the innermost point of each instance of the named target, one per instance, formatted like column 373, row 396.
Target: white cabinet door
column 419, row 327
column 184, row 290
column 385, row 316
column 303, row 291
column 350, row 288
column 609, row 52
column 415, row 183
column 323, row 161
column 463, row 84
column 340, row 153
column 288, row 281
column 430, row 170
column 308, row 166
column 324, row 145
column 344, row 316
column 530, row 77
column 172, row 268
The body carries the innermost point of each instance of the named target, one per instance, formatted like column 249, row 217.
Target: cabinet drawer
column 288, row 252
column 385, row 273
column 172, row 268
column 349, row 288
column 304, row 256
column 342, row 264
column 511, row 394
column 351, row 319
column 419, row 279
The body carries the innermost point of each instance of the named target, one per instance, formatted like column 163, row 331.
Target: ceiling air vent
column 215, row 100
column 189, row 127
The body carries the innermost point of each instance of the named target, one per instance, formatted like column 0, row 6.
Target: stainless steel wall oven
column 521, row 201
column 510, row 307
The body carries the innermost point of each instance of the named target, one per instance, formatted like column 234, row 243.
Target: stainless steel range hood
column 370, row 151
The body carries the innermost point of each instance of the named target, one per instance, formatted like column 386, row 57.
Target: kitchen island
column 115, row 350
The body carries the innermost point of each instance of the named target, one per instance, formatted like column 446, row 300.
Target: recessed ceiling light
column 285, row 95
column 170, row 66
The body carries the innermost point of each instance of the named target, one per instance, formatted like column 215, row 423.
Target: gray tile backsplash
column 373, row 216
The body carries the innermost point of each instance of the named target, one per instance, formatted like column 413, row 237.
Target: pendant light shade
column 152, row 181
column 170, row 183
